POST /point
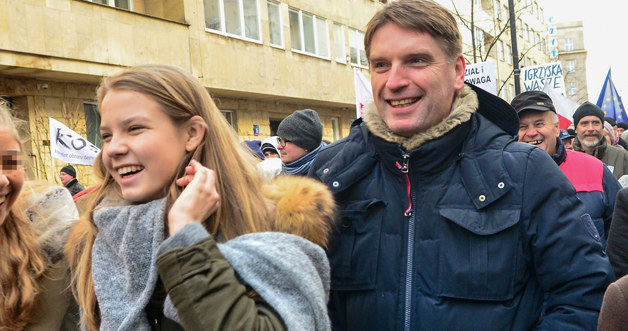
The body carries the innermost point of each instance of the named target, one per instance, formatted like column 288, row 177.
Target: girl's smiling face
column 142, row 146
column 11, row 172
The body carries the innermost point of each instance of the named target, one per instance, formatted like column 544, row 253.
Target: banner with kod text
column 482, row 75
column 550, row 74
column 69, row 146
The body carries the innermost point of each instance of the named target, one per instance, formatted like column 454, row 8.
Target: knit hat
column 610, row 121
column 622, row 125
column 270, row 144
column 303, row 128
column 69, row 170
column 587, row 109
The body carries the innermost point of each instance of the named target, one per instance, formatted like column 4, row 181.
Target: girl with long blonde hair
column 175, row 181
column 33, row 275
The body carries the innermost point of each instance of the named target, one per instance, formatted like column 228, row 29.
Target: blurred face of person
column 65, row 178
column 11, row 172
column 269, row 154
column 538, row 129
column 142, row 146
column 620, row 131
column 568, row 143
column 289, row 151
column 413, row 80
column 589, row 131
column 607, row 136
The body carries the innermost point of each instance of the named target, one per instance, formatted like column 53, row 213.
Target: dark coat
column 617, row 248
column 480, row 233
column 596, row 192
column 614, row 313
column 74, row 187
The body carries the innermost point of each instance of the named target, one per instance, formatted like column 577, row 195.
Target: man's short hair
column 421, row 16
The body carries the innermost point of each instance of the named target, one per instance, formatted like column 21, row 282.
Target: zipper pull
column 404, row 169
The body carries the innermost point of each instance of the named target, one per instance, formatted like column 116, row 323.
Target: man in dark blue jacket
column 595, row 184
column 445, row 221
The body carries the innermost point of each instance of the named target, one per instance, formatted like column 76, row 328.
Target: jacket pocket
column 355, row 247
column 480, row 254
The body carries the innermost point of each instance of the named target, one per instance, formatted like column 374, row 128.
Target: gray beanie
column 303, row 128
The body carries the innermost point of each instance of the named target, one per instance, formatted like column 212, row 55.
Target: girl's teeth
column 126, row 170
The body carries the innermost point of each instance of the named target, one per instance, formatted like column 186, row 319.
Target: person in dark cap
column 300, row 140
column 67, row 175
column 589, row 124
column 619, row 128
column 269, row 147
column 567, row 138
column 595, row 184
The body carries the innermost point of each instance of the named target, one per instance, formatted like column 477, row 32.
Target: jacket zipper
column 410, row 252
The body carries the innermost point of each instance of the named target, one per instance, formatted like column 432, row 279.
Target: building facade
column 259, row 59
column 572, row 56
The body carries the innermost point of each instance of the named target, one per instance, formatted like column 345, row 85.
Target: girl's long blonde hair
column 242, row 205
column 22, row 260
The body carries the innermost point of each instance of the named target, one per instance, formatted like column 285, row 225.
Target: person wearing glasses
column 300, row 140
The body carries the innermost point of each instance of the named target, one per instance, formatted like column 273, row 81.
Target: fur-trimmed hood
column 302, row 206
column 464, row 105
column 52, row 212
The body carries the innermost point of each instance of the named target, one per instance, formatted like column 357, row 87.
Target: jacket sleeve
column 204, row 289
column 614, row 312
column 617, row 247
column 611, row 186
column 564, row 247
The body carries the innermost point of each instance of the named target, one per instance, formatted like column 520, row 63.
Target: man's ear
column 194, row 132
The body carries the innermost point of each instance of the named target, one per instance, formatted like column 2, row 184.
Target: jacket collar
column 561, row 152
column 464, row 105
column 598, row 151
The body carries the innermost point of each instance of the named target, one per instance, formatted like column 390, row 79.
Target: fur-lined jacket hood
column 302, row 206
column 52, row 212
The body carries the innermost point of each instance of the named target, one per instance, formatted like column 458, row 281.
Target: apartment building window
column 238, row 18
column 229, row 115
column 498, row 10
column 92, row 123
column 519, row 27
column 356, row 48
column 339, row 43
column 511, row 92
column 500, row 50
column 568, row 44
column 123, row 4
column 570, row 66
column 508, row 54
column 274, row 25
column 572, row 88
column 308, row 33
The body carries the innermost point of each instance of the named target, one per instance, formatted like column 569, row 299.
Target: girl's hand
column 199, row 198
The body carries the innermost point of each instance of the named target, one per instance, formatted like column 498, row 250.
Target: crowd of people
column 445, row 208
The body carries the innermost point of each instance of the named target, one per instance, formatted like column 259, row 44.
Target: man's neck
column 587, row 149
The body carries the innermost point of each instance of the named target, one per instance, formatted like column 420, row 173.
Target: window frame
column 223, row 25
column 343, row 59
column 569, row 45
column 281, row 36
column 570, row 66
column 231, row 119
column 315, row 32
column 353, row 35
column 572, row 88
column 112, row 3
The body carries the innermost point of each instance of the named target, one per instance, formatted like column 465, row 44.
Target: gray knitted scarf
column 123, row 262
column 289, row 272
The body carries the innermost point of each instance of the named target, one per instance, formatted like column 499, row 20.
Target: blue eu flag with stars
column 610, row 101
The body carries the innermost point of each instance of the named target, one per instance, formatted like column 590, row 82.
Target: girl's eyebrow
column 127, row 121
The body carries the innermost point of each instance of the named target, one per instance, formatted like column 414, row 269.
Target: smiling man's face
column 538, row 128
column 413, row 80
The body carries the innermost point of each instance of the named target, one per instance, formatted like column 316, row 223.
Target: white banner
column 482, row 75
column 535, row 78
column 363, row 91
column 69, row 146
